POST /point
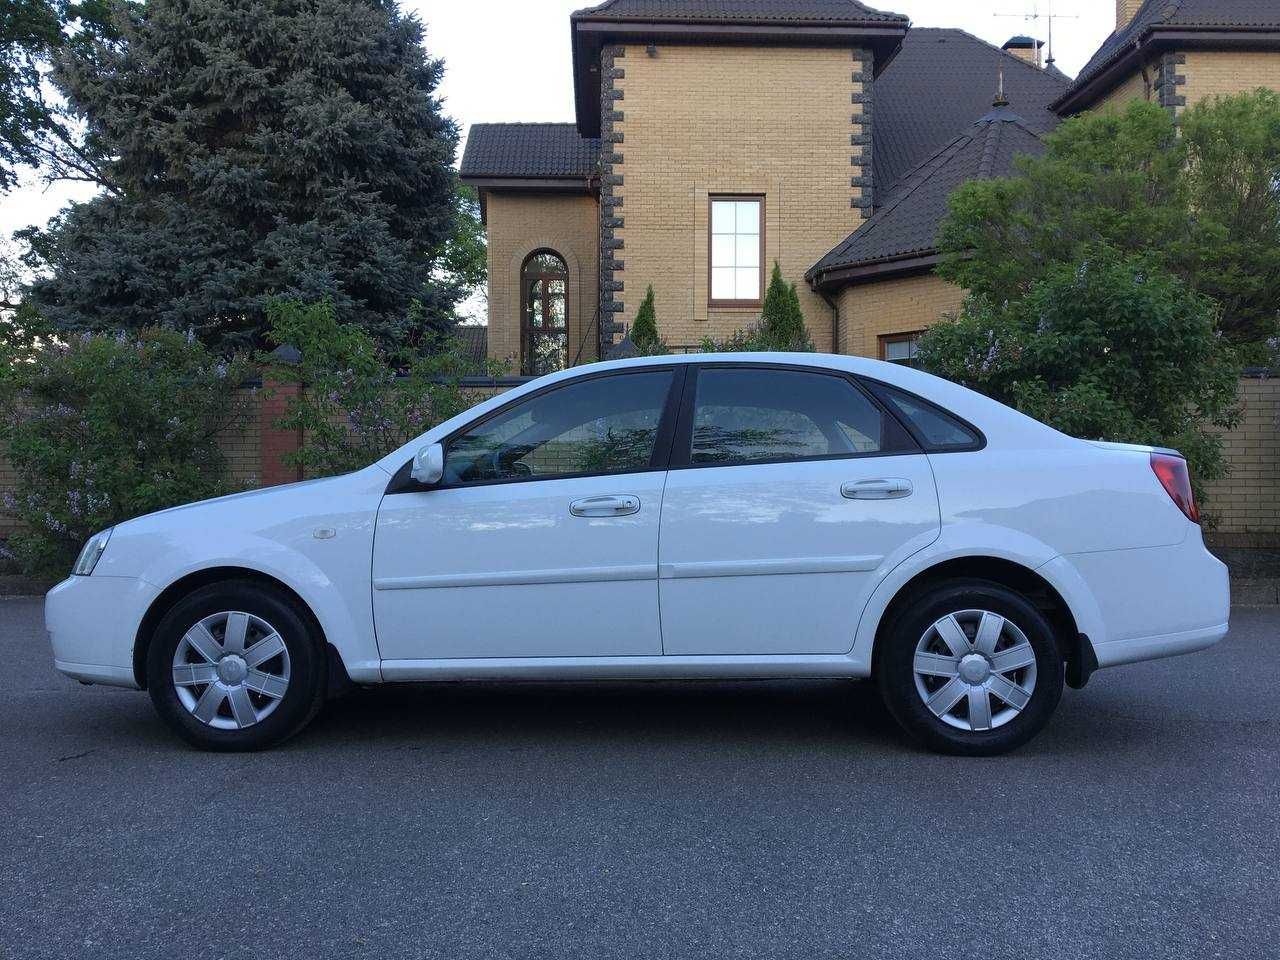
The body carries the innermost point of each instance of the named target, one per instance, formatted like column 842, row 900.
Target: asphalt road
column 767, row 819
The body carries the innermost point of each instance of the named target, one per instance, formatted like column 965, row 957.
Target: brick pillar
column 274, row 443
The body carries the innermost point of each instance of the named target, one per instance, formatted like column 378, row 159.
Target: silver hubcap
column 975, row 670
column 231, row 670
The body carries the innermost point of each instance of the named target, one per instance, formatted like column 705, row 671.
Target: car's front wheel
column 236, row 666
column 971, row 668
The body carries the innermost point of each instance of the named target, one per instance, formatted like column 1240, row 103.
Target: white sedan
column 712, row 516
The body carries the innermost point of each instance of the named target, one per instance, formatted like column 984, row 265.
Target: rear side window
column 937, row 429
column 757, row 415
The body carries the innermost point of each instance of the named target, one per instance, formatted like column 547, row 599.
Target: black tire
column 306, row 653
column 896, row 675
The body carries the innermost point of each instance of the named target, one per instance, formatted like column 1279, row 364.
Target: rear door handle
column 605, row 506
column 889, row 488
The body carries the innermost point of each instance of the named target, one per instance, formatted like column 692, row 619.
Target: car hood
column 262, row 508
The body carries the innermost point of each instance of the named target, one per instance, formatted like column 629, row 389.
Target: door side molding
column 766, row 568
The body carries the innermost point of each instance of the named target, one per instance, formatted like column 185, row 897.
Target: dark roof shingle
column 906, row 226
column 528, row 151
column 752, row 11
column 940, row 78
column 1179, row 14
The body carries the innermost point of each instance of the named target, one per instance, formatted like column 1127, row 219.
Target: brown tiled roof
column 905, row 228
column 528, row 151
column 1156, row 16
column 939, row 81
column 745, row 11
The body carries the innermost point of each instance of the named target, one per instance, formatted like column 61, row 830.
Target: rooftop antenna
column 1035, row 16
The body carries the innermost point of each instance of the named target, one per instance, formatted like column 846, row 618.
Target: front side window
column 602, row 425
column 737, row 235
column 753, row 415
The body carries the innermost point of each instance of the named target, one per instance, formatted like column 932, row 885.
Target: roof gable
column 940, row 78
column 1157, row 21
column 902, row 234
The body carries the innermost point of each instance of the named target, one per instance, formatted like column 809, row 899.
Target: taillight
column 1172, row 473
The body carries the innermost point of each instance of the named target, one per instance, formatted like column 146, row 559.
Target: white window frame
column 725, row 249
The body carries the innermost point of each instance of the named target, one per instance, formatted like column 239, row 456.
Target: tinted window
column 939, row 429
column 757, row 415
column 603, row 425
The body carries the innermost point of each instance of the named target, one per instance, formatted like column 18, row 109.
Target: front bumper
column 92, row 624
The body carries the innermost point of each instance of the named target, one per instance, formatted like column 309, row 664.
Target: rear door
column 791, row 492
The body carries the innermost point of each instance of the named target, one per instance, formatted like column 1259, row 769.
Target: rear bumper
column 1157, row 601
column 93, row 623
column 1115, row 652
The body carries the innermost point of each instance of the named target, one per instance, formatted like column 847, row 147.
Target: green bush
column 1113, row 349
column 644, row 332
column 358, row 401
column 99, row 429
column 780, row 327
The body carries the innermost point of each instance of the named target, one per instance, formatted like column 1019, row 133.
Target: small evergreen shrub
column 780, row 327
column 644, row 332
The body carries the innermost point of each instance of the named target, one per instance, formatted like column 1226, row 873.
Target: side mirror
column 428, row 464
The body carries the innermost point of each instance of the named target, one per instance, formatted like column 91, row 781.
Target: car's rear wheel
column 236, row 666
column 970, row 668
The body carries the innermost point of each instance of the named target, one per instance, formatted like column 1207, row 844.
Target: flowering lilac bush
column 1114, row 348
column 359, row 402
column 101, row 428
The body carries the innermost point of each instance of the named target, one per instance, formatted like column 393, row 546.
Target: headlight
column 88, row 558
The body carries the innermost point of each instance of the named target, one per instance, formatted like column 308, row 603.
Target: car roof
column 1002, row 425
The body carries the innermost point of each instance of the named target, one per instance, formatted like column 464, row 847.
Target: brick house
column 714, row 137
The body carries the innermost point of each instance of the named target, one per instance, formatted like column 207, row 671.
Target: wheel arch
column 1069, row 627
column 174, row 592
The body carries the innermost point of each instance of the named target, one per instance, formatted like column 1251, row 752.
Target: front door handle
column 605, row 506
column 889, row 488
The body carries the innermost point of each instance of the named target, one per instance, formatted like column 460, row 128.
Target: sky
column 510, row 60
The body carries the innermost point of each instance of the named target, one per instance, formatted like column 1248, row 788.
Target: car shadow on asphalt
column 810, row 711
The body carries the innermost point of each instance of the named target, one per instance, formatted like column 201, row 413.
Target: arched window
column 544, row 341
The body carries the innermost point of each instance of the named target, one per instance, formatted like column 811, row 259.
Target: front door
column 791, row 493
column 541, row 540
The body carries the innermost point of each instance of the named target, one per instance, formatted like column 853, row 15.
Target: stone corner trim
column 612, row 218
column 860, row 119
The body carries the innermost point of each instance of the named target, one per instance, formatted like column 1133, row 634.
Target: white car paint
column 791, row 580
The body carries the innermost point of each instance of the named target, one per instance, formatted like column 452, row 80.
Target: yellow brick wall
column 1211, row 73
column 1135, row 87
column 520, row 224
column 1248, row 501
column 869, row 311
column 700, row 120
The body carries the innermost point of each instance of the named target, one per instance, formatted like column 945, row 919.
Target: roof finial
column 1000, row 100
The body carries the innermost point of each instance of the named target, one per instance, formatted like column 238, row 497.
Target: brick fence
column 1244, row 508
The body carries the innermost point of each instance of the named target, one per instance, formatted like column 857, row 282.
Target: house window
column 901, row 348
column 737, row 251
column 543, row 336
